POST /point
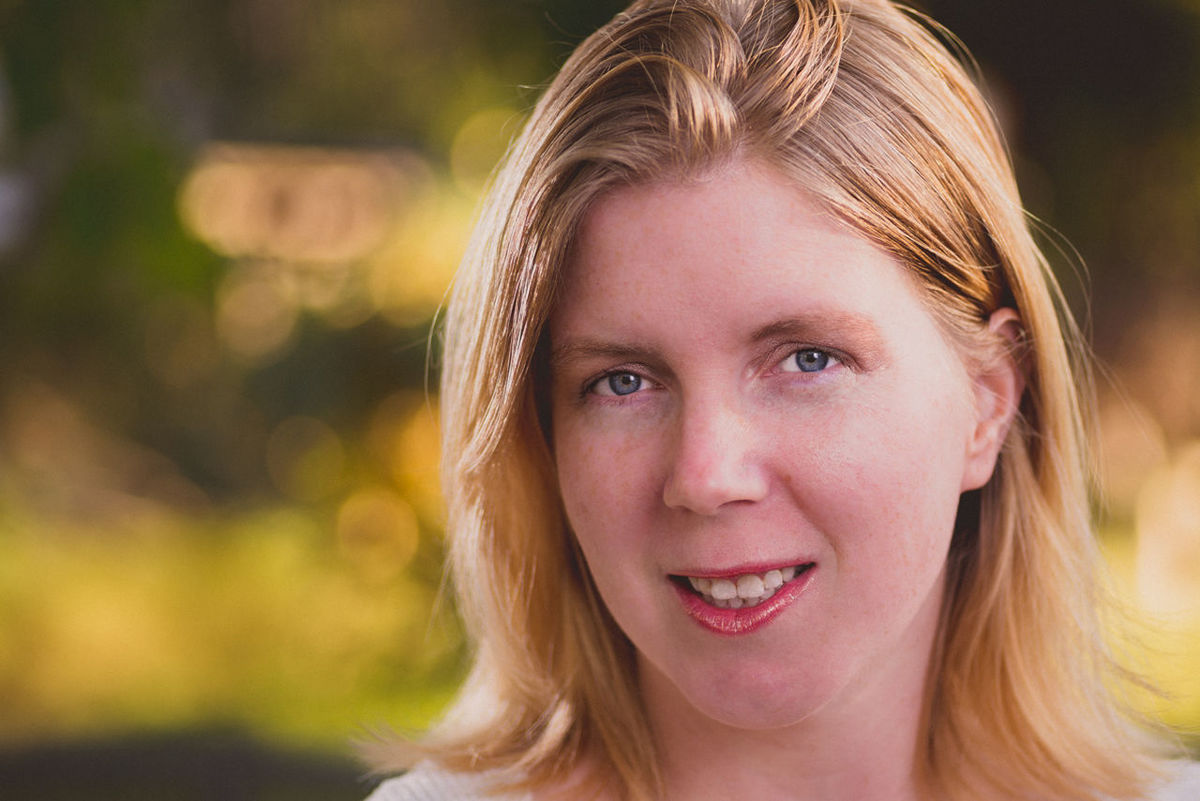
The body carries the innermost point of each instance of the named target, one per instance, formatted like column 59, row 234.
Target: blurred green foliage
column 218, row 498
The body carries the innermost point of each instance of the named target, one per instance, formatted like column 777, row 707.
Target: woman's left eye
column 618, row 384
column 808, row 360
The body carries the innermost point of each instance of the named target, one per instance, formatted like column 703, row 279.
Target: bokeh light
column 1132, row 444
column 290, row 204
column 408, row 278
column 257, row 311
column 378, row 532
column 404, row 437
column 479, row 145
column 1168, row 538
column 305, row 458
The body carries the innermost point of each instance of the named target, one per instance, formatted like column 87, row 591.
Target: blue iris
column 624, row 383
column 811, row 360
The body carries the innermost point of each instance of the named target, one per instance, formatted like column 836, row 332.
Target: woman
column 763, row 449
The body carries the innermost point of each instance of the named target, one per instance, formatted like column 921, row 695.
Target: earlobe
column 998, row 387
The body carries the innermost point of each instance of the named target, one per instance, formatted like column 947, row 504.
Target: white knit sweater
column 429, row 783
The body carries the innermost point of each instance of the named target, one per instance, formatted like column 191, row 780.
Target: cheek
column 604, row 482
column 600, row 477
column 888, row 493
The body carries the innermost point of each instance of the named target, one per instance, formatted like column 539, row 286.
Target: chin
column 757, row 700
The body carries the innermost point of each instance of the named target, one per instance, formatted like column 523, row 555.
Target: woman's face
column 761, row 437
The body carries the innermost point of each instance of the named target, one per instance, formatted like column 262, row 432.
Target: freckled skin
column 727, row 455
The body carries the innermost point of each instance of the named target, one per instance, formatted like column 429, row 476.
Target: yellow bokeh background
column 224, row 240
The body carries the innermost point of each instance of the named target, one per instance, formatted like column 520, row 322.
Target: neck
column 830, row 757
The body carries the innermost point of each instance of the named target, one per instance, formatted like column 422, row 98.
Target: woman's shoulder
column 1182, row 783
column 428, row 782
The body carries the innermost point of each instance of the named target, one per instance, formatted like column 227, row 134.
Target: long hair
column 860, row 104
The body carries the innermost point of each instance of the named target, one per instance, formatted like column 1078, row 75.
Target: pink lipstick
column 746, row 619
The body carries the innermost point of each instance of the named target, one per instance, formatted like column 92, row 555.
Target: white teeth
column 746, row 590
column 773, row 579
column 750, row 586
column 723, row 589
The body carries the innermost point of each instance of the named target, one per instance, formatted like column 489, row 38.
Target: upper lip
column 743, row 569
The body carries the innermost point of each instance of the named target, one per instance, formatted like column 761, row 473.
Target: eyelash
column 831, row 359
column 592, row 386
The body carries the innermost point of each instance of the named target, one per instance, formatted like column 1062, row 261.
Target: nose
column 715, row 461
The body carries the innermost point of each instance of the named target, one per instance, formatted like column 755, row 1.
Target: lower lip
column 733, row 622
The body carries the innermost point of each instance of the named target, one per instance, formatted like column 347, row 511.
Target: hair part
column 860, row 105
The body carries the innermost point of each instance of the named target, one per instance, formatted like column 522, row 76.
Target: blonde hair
column 866, row 110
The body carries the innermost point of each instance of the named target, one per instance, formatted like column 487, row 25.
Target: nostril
column 707, row 491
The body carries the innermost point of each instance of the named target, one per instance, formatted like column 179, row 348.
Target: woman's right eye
column 617, row 384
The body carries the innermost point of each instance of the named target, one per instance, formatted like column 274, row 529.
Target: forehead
column 740, row 244
column 741, row 207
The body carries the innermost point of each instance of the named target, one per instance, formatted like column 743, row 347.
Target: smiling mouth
column 744, row 590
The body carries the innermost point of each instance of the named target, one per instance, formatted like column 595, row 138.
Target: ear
column 998, row 387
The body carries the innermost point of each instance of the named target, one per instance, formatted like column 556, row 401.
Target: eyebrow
column 821, row 323
column 854, row 333
column 815, row 326
column 598, row 349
